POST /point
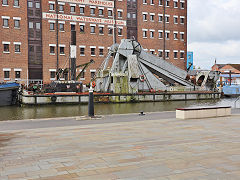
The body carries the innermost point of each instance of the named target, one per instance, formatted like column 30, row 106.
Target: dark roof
column 236, row 66
column 220, row 65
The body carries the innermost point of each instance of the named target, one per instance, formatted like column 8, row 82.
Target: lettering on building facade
column 91, row 2
column 83, row 19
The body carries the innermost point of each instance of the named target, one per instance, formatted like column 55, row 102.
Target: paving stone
column 162, row 149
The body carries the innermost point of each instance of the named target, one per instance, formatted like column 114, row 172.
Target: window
column 160, row 53
column 175, row 54
column 93, row 51
column 81, row 10
column 51, row 7
column 38, row 25
column 144, row 17
column 61, row 27
column 134, row 16
column 37, row 5
column 52, row 26
column 120, row 14
column 30, row 25
column 61, row 8
column 92, row 29
column 160, row 34
column 72, row 9
column 100, row 11
column 82, row 75
column 73, row 27
column 182, row 36
column 182, row 54
column 30, row 4
column 100, row 51
column 167, row 35
column 110, row 13
column 182, row 20
column 167, row 54
column 62, row 50
column 92, row 75
column 5, row 23
column 5, row 2
column 92, row 11
column 52, row 74
column 16, row 23
column 144, row 1
column 82, row 51
column 151, row 17
column 152, row 51
column 17, row 74
column 175, row 20
column 81, row 28
column 16, row 3
column 6, row 48
column 31, row 48
column 110, row 30
column 160, row 18
column 152, row 2
column 167, row 3
column 144, row 33
column 167, row 18
column 120, row 31
column 129, row 15
column 175, row 35
column 52, row 50
column 160, row 2
column 6, row 74
column 182, row 5
column 175, row 4
column 17, row 48
column 101, row 30
column 151, row 34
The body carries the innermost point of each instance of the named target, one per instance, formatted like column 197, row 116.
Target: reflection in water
column 49, row 111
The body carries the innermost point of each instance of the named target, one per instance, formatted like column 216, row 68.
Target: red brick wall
column 156, row 43
column 87, row 39
column 14, row 60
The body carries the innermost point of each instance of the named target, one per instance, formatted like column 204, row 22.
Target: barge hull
column 116, row 98
column 8, row 96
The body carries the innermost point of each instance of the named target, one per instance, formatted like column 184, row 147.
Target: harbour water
column 50, row 111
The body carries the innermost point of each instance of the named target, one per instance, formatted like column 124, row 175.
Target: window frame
column 18, row 49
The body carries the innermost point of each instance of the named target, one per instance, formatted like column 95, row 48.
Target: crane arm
column 85, row 67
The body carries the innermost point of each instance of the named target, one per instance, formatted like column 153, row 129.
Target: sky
column 214, row 32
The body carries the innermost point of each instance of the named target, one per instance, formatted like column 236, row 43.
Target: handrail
column 235, row 103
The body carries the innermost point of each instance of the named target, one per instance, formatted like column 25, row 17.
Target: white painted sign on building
column 91, row 2
column 73, row 49
column 83, row 19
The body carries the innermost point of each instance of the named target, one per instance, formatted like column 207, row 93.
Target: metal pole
column 91, row 103
column 230, row 77
column 114, row 26
column 164, row 29
column 27, row 78
column 73, row 55
column 56, row 2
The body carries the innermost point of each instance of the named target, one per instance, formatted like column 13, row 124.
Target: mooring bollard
column 91, row 103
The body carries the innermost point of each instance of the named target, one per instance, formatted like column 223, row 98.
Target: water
column 50, row 111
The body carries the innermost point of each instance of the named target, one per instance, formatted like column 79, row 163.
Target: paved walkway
column 151, row 148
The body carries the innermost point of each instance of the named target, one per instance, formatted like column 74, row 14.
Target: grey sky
column 214, row 31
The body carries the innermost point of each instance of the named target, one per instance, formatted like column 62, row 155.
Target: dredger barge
column 130, row 74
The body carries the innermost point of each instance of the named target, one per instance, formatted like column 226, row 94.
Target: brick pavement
column 151, row 149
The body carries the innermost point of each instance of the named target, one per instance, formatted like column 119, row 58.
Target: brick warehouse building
column 35, row 42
